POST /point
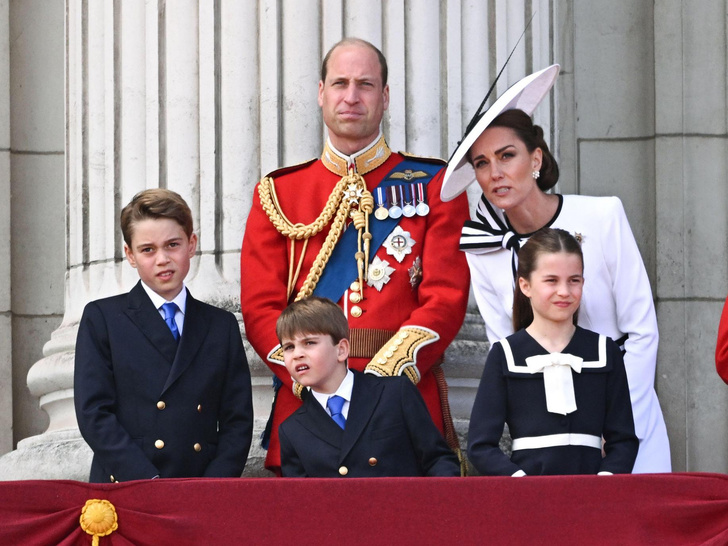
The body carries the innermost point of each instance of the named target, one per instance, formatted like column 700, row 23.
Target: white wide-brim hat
column 525, row 95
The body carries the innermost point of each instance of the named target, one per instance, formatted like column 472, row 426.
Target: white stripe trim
column 510, row 361
column 555, row 440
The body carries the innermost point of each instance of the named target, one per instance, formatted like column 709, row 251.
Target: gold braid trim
column 314, row 274
column 399, row 354
column 271, row 206
column 350, row 191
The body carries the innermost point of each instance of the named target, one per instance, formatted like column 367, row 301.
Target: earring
column 536, row 174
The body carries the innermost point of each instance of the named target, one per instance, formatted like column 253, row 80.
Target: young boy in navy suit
column 162, row 385
column 351, row 424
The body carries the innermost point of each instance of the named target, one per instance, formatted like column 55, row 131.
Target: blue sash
column 341, row 269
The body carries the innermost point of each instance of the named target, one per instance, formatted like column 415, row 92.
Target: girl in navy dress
column 561, row 389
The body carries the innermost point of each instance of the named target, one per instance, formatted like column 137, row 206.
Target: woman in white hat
column 508, row 157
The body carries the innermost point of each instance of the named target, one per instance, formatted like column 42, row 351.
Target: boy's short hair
column 155, row 203
column 313, row 315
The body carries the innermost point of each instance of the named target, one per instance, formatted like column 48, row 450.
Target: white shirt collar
column 345, row 389
column 157, row 300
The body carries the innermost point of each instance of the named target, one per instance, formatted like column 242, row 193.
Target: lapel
column 194, row 333
column 364, row 399
column 150, row 323
column 314, row 418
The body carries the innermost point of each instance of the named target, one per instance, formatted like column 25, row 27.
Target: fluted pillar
column 205, row 97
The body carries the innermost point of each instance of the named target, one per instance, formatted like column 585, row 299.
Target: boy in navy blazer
column 162, row 385
column 351, row 424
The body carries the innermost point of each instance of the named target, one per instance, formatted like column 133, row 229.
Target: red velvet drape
column 680, row 508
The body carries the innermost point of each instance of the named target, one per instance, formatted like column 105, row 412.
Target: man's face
column 352, row 99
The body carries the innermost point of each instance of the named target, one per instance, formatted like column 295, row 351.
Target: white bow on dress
column 557, row 379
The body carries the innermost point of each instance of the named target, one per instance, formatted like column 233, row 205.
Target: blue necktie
column 335, row 404
column 169, row 311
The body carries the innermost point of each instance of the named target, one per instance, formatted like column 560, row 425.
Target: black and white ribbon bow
column 490, row 232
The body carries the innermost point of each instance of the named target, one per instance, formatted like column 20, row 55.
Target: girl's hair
column 532, row 136
column 544, row 241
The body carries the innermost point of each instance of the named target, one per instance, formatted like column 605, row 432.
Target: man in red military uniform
column 366, row 228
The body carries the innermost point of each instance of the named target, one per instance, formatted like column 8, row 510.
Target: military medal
column 379, row 273
column 399, row 243
column 395, row 211
column 409, row 208
column 415, row 273
column 422, row 208
column 381, row 213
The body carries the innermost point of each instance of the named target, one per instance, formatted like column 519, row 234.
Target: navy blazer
column 150, row 406
column 389, row 432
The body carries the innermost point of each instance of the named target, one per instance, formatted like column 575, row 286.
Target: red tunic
column 438, row 303
column 721, row 349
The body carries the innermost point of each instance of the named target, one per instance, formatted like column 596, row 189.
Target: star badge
column 379, row 273
column 399, row 244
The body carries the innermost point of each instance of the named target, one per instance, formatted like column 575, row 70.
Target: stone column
column 691, row 166
column 204, row 98
column 6, row 346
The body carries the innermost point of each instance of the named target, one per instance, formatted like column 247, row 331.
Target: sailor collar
column 365, row 160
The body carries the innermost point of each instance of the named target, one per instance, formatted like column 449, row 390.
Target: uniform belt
column 366, row 342
column 555, row 440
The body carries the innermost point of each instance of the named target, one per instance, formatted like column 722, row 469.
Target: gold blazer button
column 161, row 405
column 197, row 447
column 372, row 461
column 356, row 311
column 343, row 470
column 159, row 444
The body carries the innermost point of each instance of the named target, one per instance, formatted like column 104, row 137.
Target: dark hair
column 544, row 241
column 360, row 42
column 532, row 136
column 313, row 315
column 155, row 203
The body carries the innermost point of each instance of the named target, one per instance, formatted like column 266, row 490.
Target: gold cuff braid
column 399, row 355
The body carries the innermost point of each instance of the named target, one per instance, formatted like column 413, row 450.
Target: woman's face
column 504, row 166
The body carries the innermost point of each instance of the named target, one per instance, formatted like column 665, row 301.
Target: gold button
column 372, row 461
column 197, row 447
column 161, row 405
column 343, row 470
column 113, row 480
column 354, row 297
column 199, row 408
column 159, row 444
column 356, row 311
column 355, row 286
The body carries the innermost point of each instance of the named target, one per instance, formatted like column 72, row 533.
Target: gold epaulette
column 399, row 355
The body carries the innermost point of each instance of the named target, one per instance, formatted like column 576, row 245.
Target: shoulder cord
column 353, row 187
